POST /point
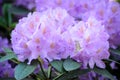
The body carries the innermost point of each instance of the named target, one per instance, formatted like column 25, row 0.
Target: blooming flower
column 41, row 34
column 45, row 4
column 29, row 4
column 93, row 42
column 3, row 44
column 19, row 39
column 6, row 70
column 105, row 10
column 91, row 76
column 108, row 13
column 76, row 8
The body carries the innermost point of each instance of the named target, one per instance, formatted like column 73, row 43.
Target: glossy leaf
column 19, row 11
column 104, row 73
column 23, row 70
column 9, row 55
column 58, row 65
column 70, row 65
column 72, row 74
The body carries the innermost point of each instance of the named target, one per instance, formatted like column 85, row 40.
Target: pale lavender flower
column 92, row 76
column 29, row 4
column 113, row 65
column 0, row 1
column 108, row 13
column 23, row 33
column 76, row 8
column 112, row 23
column 93, row 42
column 4, row 43
column 73, row 7
column 41, row 34
column 46, row 4
column 6, row 70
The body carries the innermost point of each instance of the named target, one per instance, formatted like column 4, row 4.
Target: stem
column 49, row 72
column 58, row 76
column 42, row 69
column 113, row 61
column 17, row 62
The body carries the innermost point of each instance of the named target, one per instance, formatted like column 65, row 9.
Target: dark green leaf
column 19, row 11
column 8, row 51
column 27, row 79
column 58, row 65
column 118, row 1
column 22, row 70
column 7, row 78
column 104, row 73
column 115, row 54
column 7, row 14
column 112, row 61
column 14, row 79
column 2, row 22
column 13, row 25
column 70, row 65
column 72, row 74
column 41, row 76
column 9, row 55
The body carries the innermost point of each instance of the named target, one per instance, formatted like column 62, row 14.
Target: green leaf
column 22, row 70
column 118, row 1
column 58, row 65
column 70, row 65
column 72, row 74
column 112, row 61
column 9, row 55
column 7, row 14
column 104, row 73
column 27, row 79
column 115, row 51
column 7, row 78
column 8, row 51
column 115, row 54
column 19, row 11
column 15, row 79
column 2, row 22
column 49, row 71
column 13, row 25
column 40, row 76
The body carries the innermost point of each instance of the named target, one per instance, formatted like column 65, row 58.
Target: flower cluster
column 60, row 38
column 42, row 34
column 29, row 4
column 66, row 4
column 4, row 44
column 93, row 42
column 92, row 76
column 6, row 70
column 54, row 34
column 106, row 11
